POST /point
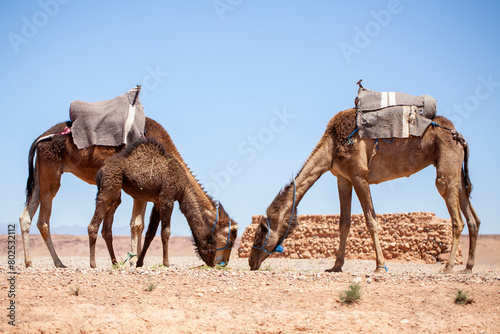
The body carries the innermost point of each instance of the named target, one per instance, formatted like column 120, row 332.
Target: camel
column 147, row 173
column 56, row 153
column 357, row 163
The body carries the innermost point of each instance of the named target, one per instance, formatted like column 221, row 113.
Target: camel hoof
column 447, row 271
column 334, row 270
column 381, row 269
column 60, row 265
column 466, row 271
column 28, row 264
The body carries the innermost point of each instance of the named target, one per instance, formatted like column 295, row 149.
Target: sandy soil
column 287, row 296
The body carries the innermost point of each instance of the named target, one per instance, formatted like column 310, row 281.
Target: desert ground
column 285, row 296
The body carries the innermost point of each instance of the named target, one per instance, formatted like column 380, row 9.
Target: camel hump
column 108, row 123
column 393, row 114
column 148, row 146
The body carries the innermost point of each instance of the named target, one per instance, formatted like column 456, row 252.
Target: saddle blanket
column 112, row 122
column 392, row 114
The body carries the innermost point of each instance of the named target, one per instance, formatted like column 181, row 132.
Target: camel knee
column 25, row 226
column 441, row 185
column 92, row 230
column 473, row 227
column 25, row 222
column 345, row 227
column 137, row 225
column 165, row 234
column 43, row 227
column 372, row 226
column 136, row 228
column 458, row 227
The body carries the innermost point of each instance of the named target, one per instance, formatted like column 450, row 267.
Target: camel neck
column 318, row 163
column 194, row 212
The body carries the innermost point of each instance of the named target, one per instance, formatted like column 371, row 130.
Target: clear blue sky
column 216, row 74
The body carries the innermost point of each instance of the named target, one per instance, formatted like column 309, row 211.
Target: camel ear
column 264, row 227
column 234, row 231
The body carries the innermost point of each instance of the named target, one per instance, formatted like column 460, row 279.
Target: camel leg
column 136, row 228
column 154, row 222
column 345, row 196
column 48, row 190
column 362, row 189
column 449, row 190
column 25, row 222
column 107, row 234
column 93, row 228
column 165, row 214
column 473, row 223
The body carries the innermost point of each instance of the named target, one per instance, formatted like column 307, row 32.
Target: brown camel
column 147, row 173
column 56, row 153
column 356, row 163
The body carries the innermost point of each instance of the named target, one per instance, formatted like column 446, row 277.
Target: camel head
column 206, row 249
column 272, row 231
column 265, row 243
column 225, row 233
column 269, row 239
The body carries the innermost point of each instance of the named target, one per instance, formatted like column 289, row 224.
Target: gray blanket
column 107, row 123
column 393, row 115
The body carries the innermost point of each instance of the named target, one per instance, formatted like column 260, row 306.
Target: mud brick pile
column 416, row 236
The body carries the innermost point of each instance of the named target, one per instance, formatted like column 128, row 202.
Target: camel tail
column 31, row 171
column 98, row 178
column 465, row 170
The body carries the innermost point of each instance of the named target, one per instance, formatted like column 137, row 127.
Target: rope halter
column 279, row 248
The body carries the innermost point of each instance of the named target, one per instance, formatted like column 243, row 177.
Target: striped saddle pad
column 393, row 115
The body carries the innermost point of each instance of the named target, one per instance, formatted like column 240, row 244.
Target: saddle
column 114, row 122
column 392, row 114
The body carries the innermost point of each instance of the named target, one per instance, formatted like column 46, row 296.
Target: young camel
column 357, row 164
column 147, row 173
column 56, row 154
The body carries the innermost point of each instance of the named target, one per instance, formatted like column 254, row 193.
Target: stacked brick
column 417, row 236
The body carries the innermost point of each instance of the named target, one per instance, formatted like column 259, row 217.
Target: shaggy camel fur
column 357, row 163
column 147, row 173
column 56, row 154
